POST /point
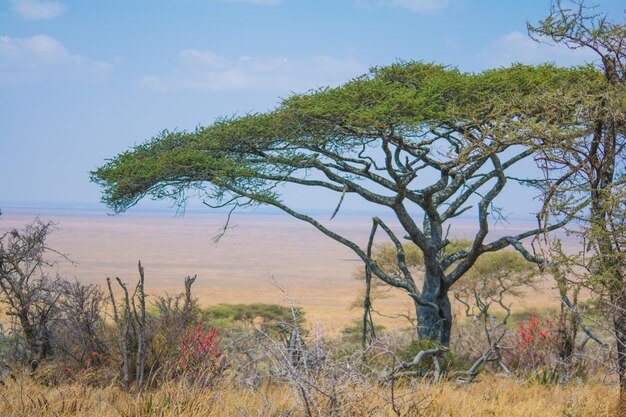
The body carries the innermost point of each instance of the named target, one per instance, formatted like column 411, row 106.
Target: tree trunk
column 434, row 324
column 619, row 322
column 570, row 321
column 38, row 345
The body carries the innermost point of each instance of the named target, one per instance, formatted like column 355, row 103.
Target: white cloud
column 518, row 47
column 38, row 9
column 206, row 71
column 416, row 6
column 42, row 58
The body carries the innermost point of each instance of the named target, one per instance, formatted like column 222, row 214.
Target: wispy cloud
column 518, row 47
column 416, row 6
column 258, row 2
column 38, row 9
column 207, row 71
column 42, row 58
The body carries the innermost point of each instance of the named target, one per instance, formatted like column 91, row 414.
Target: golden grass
column 491, row 396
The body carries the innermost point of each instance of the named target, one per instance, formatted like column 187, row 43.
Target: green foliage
column 374, row 137
column 499, row 265
column 353, row 333
column 545, row 376
column 386, row 257
column 595, row 308
column 252, row 152
column 448, row 360
column 493, row 275
column 7, row 344
column 269, row 317
column 520, row 316
column 409, row 352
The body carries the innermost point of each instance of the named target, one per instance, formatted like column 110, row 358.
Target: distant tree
column 269, row 317
column 280, row 322
column 426, row 142
column 589, row 165
column 385, row 255
column 493, row 278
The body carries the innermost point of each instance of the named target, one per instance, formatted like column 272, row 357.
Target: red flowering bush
column 534, row 345
column 535, row 335
column 87, row 372
column 200, row 356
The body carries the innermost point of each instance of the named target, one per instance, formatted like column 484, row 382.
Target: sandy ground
column 257, row 252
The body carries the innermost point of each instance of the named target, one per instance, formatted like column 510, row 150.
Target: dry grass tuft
column 491, row 396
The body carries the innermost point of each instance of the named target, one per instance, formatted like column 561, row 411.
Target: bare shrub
column 79, row 334
column 29, row 295
column 170, row 319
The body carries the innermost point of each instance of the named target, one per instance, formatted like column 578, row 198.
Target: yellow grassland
column 490, row 396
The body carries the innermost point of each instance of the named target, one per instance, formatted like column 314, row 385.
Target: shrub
column 534, row 349
column 268, row 316
column 200, row 356
column 353, row 333
column 448, row 360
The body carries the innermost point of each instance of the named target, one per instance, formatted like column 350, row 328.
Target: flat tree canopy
column 427, row 142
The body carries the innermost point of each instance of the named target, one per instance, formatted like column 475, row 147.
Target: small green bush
column 271, row 318
column 449, row 361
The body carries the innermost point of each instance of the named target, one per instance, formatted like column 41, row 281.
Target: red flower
column 200, row 353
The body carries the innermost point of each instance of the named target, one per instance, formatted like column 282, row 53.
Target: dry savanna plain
column 260, row 259
column 259, row 256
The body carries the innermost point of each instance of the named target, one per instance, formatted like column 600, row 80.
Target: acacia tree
column 589, row 164
column 495, row 277
column 426, row 142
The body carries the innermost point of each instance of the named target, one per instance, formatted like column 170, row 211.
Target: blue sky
column 81, row 81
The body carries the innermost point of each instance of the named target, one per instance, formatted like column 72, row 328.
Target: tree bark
column 434, row 324
column 38, row 341
column 619, row 323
